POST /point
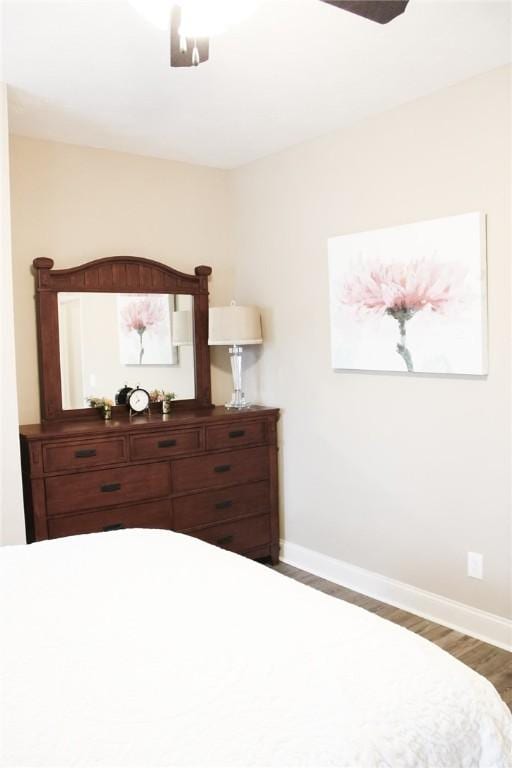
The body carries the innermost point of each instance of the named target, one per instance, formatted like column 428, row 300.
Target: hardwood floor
column 489, row 661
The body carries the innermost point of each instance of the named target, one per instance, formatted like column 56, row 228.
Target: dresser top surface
column 121, row 422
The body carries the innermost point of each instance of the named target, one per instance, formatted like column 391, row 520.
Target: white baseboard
column 463, row 618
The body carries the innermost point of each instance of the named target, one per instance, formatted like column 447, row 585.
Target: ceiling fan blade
column 194, row 52
column 380, row 11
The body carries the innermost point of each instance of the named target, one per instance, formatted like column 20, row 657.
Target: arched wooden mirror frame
column 116, row 274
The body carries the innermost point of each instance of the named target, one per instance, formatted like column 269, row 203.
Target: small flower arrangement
column 159, row 396
column 99, row 402
column 105, row 403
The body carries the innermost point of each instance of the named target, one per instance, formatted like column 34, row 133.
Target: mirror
column 118, row 321
column 109, row 340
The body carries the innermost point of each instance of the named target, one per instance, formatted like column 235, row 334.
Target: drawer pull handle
column 85, row 454
column 166, row 443
column 237, row 433
column 113, row 527
column 109, row 487
column 222, row 468
column 224, row 504
column 224, row 540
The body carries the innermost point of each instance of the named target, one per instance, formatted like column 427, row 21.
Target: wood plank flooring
column 489, row 661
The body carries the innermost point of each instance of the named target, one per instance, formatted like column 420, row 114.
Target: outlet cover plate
column 475, row 565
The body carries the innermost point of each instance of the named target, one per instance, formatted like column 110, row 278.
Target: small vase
column 107, row 412
column 166, row 406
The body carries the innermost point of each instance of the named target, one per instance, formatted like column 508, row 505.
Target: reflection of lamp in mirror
column 235, row 327
column 182, row 327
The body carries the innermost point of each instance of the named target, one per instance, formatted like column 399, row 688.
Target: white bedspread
column 149, row 648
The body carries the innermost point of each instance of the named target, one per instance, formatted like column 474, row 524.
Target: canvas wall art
column 145, row 329
column 411, row 298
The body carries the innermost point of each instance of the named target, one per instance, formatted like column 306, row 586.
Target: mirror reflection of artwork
column 411, row 298
column 90, row 349
column 145, row 329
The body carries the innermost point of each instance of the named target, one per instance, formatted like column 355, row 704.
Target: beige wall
column 11, row 521
column 398, row 474
column 74, row 204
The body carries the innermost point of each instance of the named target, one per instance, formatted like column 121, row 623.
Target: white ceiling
column 95, row 73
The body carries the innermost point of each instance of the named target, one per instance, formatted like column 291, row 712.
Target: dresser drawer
column 156, row 514
column 239, row 535
column 85, row 453
column 214, row 506
column 164, row 443
column 231, row 436
column 220, row 469
column 107, row 487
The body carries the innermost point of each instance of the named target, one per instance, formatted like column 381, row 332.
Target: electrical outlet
column 475, row 565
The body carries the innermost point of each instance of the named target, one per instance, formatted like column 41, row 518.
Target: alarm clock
column 122, row 395
column 138, row 401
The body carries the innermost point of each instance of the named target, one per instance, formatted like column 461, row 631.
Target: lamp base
column 237, row 401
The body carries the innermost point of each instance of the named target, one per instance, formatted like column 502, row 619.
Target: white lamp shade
column 234, row 325
column 182, row 327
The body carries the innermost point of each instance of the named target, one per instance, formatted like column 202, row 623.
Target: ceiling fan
column 190, row 51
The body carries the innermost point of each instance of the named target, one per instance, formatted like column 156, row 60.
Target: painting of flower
column 410, row 298
column 145, row 329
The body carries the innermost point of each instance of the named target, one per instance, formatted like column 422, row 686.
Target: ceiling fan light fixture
column 194, row 22
column 186, row 51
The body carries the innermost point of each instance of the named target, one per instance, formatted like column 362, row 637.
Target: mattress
column 151, row 648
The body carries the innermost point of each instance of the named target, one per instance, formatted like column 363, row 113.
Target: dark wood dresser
column 201, row 470
column 211, row 473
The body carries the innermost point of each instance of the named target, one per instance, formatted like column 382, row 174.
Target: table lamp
column 235, row 327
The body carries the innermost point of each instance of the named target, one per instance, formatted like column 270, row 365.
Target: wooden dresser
column 211, row 473
column 201, row 470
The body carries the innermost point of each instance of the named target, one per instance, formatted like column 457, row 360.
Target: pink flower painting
column 410, row 298
column 141, row 315
column 144, row 326
column 402, row 289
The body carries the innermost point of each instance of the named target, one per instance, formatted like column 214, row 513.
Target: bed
column 151, row 648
